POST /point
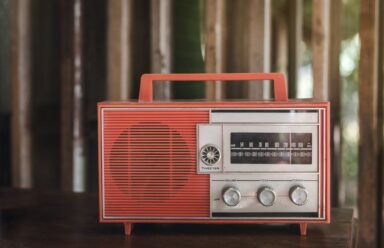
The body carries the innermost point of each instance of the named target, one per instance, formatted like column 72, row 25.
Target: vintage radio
column 214, row 162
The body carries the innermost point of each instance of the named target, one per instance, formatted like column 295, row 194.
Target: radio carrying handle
column 146, row 84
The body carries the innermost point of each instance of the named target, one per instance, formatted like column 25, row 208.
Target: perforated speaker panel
column 149, row 164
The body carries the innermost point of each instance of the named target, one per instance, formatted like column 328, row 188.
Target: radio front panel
column 250, row 187
column 251, row 154
column 250, row 160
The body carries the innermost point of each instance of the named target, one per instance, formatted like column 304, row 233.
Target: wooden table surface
column 52, row 219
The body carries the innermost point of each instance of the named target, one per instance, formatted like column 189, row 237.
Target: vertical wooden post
column 381, row 121
column 280, row 42
column 320, row 48
column 326, row 78
column 72, row 118
column 334, row 96
column 250, row 20
column 5, row 67
column 259, row 45
column 119, row 46
column 161, row 45
column 46, row 94
column 295, row 27
column 5, row 93
column 214, row 32
column 21, row 80
column 370, row 125
column 237, row 49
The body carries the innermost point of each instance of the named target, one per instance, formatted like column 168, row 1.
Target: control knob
column 298, row 195
column 266, row 196
column 231, row 196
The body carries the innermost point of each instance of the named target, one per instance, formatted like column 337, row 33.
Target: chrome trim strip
column 322, row 125
column 102, row 160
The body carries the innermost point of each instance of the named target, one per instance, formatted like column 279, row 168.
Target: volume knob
column 298, row 195
column 266, row 196
column 231, row 196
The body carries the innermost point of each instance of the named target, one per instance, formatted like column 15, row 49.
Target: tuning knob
column 231, row 196
column 266, row 196
column 298, row 195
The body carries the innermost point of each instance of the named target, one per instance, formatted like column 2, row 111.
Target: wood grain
column 119, row 47
column 320, row 48
column 45, row 91
column 259, row 50
column 161, row 45
column 295, row 33
column 381, row 120
column 247, row 46
column 235, row 48
column 326, row 39
column 95, row 79
column 369, row 122
column 279, row 50
column 42, row 219
column 5, row 51
column 214, row 33
column 334, row 96
column 21, row 80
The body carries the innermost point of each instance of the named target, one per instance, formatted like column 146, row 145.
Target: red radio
column 214, row 162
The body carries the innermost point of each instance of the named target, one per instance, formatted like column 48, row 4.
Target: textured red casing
column 147, row 159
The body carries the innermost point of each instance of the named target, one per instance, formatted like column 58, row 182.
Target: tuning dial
column 266, row 196
column 210, row 154
column 231, row 196
column 298, row 195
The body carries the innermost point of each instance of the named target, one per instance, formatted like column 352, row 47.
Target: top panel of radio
column 260, row 140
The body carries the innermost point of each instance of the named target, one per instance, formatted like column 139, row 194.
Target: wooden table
column 49, row 219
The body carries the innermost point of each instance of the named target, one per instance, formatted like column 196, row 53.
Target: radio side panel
column 99, row 161
column 143, row 176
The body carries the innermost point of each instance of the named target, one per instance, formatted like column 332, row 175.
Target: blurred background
column 58, row 58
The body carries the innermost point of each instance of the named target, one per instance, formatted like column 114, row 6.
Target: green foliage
column 187, row 57
column 350, row 124
column 349, row 62
column 350, row 18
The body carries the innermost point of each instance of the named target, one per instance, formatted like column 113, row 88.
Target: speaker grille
column 150, row 164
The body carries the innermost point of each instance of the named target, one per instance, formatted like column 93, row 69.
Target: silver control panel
column 264, row 195
column 262, row 163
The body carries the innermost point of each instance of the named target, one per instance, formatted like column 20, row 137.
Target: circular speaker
column 153, row 161
column 210, row 154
